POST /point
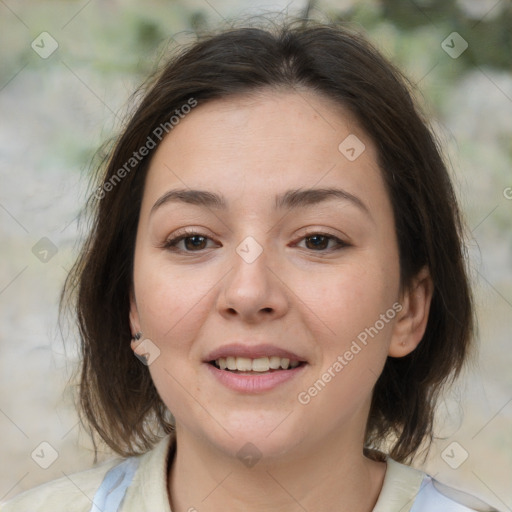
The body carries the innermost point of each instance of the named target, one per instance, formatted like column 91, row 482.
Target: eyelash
column 171, row 244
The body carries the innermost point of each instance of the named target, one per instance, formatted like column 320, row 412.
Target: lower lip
column 254, row 383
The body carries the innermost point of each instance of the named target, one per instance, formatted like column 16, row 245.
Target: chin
column 268, row 435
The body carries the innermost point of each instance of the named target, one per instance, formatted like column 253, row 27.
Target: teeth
column 243, row 364
column 260, row 364
column 275, row 362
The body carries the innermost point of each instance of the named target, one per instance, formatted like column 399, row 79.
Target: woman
column 276, row 233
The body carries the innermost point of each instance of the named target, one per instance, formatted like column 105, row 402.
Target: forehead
column 253, row 146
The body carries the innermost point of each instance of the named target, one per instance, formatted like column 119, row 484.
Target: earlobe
column 412, row 320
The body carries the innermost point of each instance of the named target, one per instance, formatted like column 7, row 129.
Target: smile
column 259, row 364
column 251, row 367
column 255, row 381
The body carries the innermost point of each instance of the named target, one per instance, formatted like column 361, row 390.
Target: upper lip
column 252, row 352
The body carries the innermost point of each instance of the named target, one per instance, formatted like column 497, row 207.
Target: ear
column 412, row 320
column 134, row 315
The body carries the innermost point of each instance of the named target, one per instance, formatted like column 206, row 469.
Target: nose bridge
column 250, row 268
column 251, row 286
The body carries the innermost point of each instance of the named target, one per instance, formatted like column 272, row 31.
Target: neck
column 330, row 475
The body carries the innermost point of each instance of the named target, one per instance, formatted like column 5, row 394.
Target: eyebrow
column 291, row 199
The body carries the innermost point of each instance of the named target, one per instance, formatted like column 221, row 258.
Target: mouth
column 255, row 366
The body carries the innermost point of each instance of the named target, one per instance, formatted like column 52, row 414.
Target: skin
column 295, row 296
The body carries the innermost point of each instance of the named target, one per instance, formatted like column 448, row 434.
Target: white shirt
column 139, row 484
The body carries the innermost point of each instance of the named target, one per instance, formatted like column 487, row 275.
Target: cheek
column 173, row 303
column 169, row 298
column 352, row 297
column 351, row 303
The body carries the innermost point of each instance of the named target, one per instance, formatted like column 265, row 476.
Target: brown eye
column 317, row 242
column 186, row 243
column 195, row 242
column 322, row 243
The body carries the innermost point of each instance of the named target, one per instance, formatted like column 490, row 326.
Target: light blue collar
column 110, row 494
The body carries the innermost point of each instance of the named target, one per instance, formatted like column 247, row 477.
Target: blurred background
column 67, row 71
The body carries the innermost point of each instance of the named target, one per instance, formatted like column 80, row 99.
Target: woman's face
column 266, row 235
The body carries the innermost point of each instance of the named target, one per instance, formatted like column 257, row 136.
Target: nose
column 252, row 291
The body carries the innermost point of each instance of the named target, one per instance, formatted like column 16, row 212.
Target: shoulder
column 142, row 480
column 410, row 490
column 71, row 493
column 434, row 495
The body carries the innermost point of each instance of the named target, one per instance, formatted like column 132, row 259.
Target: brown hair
column 117, row 396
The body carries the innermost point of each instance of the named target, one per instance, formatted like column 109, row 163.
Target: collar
column 400, row 487
column 149, row 488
